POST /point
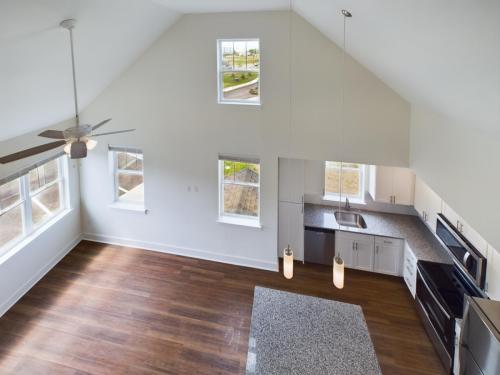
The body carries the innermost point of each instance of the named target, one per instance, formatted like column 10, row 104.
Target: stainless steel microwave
column 463, row 253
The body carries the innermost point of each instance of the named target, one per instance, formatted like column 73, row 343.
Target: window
column 239, row 71
column 30, row 200
column 128, row 176
column 352, row 180
column 239, row 188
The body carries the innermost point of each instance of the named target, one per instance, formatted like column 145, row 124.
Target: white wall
column 460, row 165
column 27, row 262
column 170, row 96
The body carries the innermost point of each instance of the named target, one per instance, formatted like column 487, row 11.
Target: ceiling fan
column 76, row 140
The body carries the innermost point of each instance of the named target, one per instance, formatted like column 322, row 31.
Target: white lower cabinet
column 355, row 249
column 388, row 255
column 370, row 253
column 410, row 270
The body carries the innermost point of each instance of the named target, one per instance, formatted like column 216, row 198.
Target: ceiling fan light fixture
column 78, row 150
column 91, row 144
column 67, row 148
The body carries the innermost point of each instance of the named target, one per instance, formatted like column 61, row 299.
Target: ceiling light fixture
column 76, row 140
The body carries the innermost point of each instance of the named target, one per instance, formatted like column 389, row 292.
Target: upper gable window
column 239, row 71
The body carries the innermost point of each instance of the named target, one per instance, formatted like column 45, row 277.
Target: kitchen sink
column 350, row 219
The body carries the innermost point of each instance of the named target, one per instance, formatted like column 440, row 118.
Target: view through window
column 239, row 71
column 240, row 188
column 29, row 201
column 129, row 176
column 352, row 180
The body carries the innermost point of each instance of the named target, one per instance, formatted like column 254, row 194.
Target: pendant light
column 287, row 252
column 288, row 263
column 338, row 262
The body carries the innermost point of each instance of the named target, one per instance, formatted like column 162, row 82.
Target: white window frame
column 360, row 198
column 221, row 71
column 26, row 205
column 231, row 218
column 119, row 202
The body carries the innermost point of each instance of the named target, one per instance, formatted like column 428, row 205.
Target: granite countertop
column 295, row 334
column 422, row 242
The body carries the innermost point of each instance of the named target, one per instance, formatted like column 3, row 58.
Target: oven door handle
column 433, row 295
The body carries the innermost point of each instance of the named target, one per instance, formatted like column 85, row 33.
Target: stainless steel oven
column 442, row 288
column 438, row 319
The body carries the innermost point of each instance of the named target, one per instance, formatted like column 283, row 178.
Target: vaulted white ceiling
column 35, row 65
column 442, row 53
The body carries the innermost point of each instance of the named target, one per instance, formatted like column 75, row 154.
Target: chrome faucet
column 347, row 204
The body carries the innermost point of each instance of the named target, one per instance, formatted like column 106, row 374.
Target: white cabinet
column 427, row 203
column 344, row 247
column 392, row 185
column 388, row 255
column 291, row 180
column 356, row 250
column 410, row 270
column 364, row 253
column 493, row 274
column 291, row 229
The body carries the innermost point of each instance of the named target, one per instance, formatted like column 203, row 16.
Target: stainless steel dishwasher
column 319, row 245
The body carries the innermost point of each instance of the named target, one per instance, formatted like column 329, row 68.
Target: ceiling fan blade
column 100, row 124
column 116, row 132
column 54, row 134
column 30, row 152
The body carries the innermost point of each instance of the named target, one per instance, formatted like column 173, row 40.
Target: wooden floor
column 112, row 310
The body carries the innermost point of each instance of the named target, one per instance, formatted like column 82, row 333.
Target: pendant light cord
column 342, row 94
column 74, row 75
column 290, row 101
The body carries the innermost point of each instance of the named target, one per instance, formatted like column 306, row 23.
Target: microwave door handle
column 465, row 259
column 433, row 295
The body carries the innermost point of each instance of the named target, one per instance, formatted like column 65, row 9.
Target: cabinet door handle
column 376, row 249
column 353, row 245
column 356, row 246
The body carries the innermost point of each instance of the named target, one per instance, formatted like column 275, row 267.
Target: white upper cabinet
column 493, row 274
column 291, row 180
column 392, row 185
column 388, row 255
column 427, row 203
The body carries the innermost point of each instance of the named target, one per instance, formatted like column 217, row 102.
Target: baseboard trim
column 21, row 291
column 182, row 251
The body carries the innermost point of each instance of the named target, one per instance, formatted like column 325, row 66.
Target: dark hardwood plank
column 113, row 310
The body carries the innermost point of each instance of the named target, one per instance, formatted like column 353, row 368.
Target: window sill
column 251, row 223
column 23, row 242
column 129, row 207
column 230, row 102
column 333, row 198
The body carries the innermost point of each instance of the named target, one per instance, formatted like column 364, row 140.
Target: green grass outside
column 233, row 167
column 240, row 61
column 233, row 79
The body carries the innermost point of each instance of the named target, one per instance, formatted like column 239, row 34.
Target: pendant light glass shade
column 288, row 263
column 338, row 272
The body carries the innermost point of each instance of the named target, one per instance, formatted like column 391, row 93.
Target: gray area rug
column 296, row 334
